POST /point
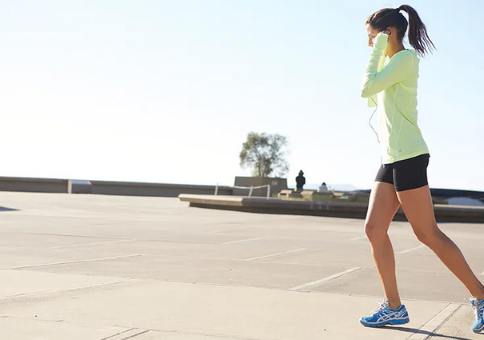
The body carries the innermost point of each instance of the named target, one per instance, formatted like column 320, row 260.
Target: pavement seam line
column 358, row 238
column 217, row 335
column 230, row 259
column 79, row 261
column 411, row 249
column 120, row 333
column 276, row 254
column 92, row 244
column 244, row 240
column 225, row 230
column 68, row 289
column 435, row 323
column 62, row 235
column 328, row 278
column 131, row 336
column 448, row 318
column 134, row 335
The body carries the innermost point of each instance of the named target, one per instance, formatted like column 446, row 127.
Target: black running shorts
column 405, row 175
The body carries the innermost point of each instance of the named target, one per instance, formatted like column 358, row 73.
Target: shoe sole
column 392, row 323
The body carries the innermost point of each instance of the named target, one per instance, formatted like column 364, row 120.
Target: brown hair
column 391, row 17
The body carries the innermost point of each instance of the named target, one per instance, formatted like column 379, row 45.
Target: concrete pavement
column 109, row 267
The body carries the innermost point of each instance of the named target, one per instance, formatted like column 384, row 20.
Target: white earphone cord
column 369, row 122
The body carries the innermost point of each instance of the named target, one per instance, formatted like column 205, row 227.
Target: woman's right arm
column 396, row 70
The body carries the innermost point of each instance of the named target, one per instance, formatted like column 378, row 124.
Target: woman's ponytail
column 417, row 32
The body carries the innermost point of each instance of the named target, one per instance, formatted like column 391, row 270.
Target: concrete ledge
column 276, row 205
column 444, row 213
column 212, row 200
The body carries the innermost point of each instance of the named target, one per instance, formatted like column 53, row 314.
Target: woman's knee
column 375, row 232
column 429, row 237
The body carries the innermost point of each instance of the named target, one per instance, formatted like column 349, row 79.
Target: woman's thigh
column 418, row 207
column 382, row 207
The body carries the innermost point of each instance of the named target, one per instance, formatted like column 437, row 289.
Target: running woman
column 390, row 82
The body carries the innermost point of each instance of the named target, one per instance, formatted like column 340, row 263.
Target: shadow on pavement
column 7, row 209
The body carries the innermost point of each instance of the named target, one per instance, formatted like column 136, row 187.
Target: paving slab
column 457, row 326
column 15, row 257
column 18, row 283
column 248, row 273
column 431, row 263
column 33, row 240
column 236, row 250
column 413, row 284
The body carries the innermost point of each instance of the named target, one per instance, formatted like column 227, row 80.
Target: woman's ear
column 392, row 31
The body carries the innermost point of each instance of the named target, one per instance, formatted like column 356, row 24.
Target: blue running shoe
column 478, row 305
column 384, row 315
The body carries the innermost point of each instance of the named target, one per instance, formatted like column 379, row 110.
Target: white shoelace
column 479, row 312
column 381, row 307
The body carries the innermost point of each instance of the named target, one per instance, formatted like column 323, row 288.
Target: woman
column 391, row 83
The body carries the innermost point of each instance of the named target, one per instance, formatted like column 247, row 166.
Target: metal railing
column 251, row 189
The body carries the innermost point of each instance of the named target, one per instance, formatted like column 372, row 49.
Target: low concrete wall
column 22, row 184
column 154, row 189
column 79, row 187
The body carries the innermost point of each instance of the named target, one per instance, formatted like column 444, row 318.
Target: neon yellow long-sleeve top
column 392, row 85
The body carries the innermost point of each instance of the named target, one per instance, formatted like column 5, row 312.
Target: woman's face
column 372, row 33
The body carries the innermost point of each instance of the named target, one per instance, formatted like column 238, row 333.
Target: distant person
column 300, row 181
column 390, row 83
column 323, row 188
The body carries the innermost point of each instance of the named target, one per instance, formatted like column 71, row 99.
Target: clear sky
column 167, row 90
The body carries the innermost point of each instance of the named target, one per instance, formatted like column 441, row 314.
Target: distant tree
column 265, row 153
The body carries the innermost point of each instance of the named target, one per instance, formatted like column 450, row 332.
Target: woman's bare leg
column 382, row 208
column 418, row 207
